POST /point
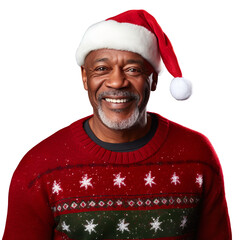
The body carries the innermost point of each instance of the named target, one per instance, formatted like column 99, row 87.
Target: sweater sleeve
column 29, row 215
column 214, row 219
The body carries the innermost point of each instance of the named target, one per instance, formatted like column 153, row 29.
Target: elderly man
column 123, row 172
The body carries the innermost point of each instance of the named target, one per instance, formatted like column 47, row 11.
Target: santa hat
column 136, row 31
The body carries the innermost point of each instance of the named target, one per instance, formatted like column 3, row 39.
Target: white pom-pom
column 181, row 88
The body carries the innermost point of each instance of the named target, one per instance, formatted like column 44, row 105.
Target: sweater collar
column 102, row 155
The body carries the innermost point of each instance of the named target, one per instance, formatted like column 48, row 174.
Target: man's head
column 118, row 85
column 116, row 91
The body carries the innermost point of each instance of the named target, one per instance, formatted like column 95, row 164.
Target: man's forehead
column 108, row 55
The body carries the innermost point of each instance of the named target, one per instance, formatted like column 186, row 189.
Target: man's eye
column 133, row 70
column 101, row 69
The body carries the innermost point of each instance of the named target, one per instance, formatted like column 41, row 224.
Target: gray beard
column 119, row 125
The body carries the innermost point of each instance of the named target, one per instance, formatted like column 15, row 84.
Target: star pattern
column 199, row 180
column 86, row 182
column 90, row 226
column 122, row 226
column 183, row 222
column 65, row 227
column 156, row 225
column 175, row 179
column 56, row 187
column 119, row 181
column 149, row 179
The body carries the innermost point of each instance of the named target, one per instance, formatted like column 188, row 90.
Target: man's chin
column 119, row 124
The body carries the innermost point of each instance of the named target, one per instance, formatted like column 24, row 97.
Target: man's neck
column 106, row 134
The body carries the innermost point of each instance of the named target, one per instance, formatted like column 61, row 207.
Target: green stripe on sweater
column 128, row 224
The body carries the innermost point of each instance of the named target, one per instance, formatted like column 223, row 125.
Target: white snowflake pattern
column 199, row 180
column 183, row 222
column 122, row 226
column 86, row 182
column 119, row 180
column 65, row 227
column 90, row 226
column 56, row 188
column 175, row 179
column 156, row 225
column 149, row 179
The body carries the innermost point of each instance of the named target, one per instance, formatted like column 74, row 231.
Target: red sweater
column 68, row 187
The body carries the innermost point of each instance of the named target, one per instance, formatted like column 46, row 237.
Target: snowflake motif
column 118, row 180
column 65, row 227
column 122, row 226
column 56, row 188
column 199, row 180
column 183, row 222
column 86, row 182
column 149, row 179
column 90, row 227
column 156, row 224
column 175, row 179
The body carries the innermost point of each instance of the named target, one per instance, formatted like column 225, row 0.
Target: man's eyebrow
column 101, row 60
column 135, row 61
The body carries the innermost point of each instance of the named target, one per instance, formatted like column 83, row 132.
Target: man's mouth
column 118, row 96
column 117, row 100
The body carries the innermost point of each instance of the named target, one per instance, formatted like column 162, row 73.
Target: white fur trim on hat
column 181, row 88
column 120, row 36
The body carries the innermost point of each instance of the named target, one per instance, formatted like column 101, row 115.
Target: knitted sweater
column 68, row 187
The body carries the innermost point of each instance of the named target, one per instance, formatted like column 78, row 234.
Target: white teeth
column 116, row 100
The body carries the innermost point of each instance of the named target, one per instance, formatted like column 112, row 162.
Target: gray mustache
column 118, row 93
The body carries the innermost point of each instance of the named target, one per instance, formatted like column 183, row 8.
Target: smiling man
column 119, row 84
column 123, row 172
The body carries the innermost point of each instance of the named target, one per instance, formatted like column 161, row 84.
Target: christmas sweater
column 68, row 187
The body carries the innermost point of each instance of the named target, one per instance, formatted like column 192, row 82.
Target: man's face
column 118, row 85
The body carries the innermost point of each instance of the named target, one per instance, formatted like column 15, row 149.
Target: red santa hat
column 136, row 31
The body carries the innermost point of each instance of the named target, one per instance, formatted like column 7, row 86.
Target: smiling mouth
column 118, row 100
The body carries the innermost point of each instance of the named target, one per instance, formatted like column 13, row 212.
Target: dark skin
column 107, row 70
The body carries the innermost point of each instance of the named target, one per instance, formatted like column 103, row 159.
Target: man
column 122, row 173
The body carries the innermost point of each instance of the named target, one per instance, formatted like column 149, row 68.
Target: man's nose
column 117, row 79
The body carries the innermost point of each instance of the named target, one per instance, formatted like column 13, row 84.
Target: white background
column 41, row 89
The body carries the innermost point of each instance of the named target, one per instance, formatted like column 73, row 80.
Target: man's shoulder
column 180, row 131
column 52, row 151
column 194, row 145
column 51, row 144
column 188, row 135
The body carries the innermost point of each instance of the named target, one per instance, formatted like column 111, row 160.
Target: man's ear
column 154, row 81
column 84, row 77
